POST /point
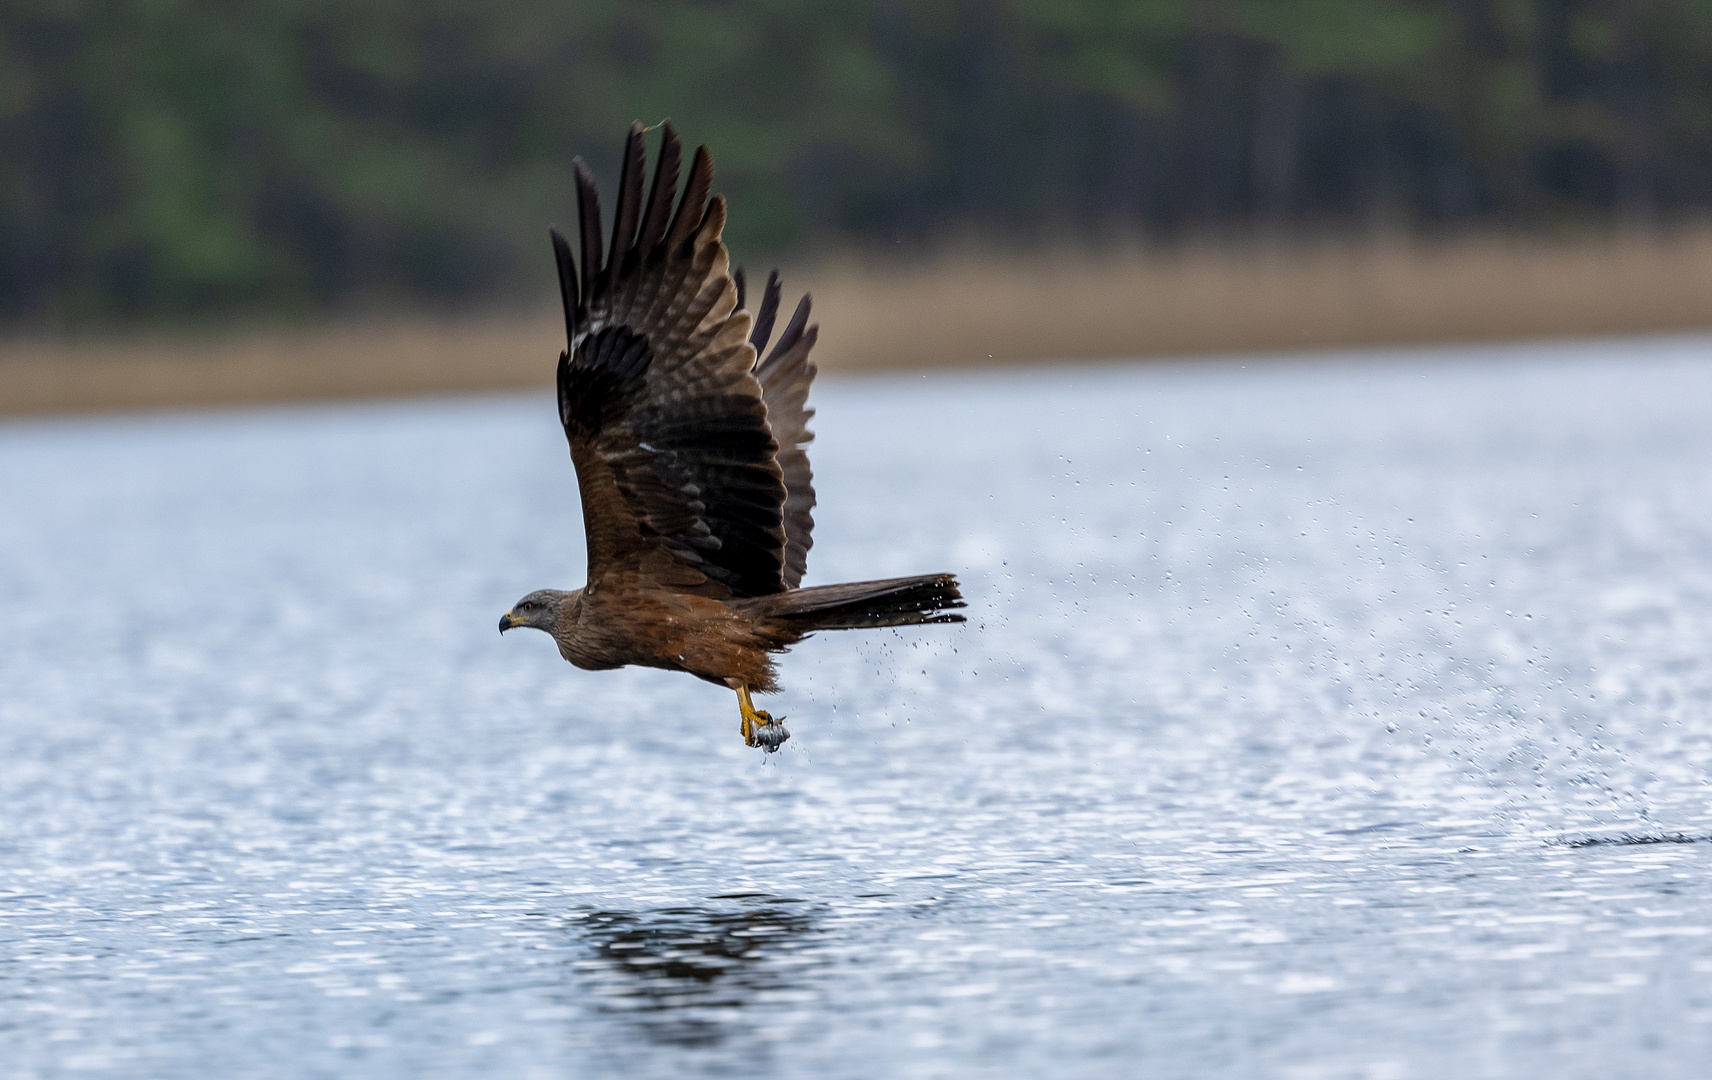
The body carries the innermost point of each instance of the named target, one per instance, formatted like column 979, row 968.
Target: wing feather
column 668, row 428
column 765, row 318
column 659, row 214
column 785, row 377
column 588, row 214
column 629, row 210
column 568, row 293
column 695, row 202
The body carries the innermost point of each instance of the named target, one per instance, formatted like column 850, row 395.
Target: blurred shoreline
column 958, row 310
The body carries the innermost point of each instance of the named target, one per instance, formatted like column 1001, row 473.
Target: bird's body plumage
column 690, row 451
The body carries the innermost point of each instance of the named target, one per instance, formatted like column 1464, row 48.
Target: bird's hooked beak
column 506, row 622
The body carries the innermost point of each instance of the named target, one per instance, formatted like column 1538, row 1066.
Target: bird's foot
column 760, row 729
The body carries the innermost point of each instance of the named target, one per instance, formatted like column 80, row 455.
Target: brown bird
column 690, row 454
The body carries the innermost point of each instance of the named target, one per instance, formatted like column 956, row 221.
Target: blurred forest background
column 183, row 163
column 171, row 158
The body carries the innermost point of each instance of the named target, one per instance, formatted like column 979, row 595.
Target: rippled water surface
column 1289, row 699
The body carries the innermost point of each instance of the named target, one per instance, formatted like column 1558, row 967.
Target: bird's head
column 540, row 610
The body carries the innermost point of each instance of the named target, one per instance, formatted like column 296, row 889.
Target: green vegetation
column 184, row 158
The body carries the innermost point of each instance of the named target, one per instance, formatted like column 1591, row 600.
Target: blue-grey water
column 1289, row 697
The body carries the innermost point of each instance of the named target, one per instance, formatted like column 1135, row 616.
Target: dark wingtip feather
column 657, row 218
column 694, row 204
column 765, row 318
column 588, row 213
column 629, row 196
column 742, row 288
column 794, row 329
column 567, row 282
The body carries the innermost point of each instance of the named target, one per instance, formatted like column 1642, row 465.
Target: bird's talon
column 760, row 727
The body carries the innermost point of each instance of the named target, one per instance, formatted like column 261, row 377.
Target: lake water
column 1291, row 698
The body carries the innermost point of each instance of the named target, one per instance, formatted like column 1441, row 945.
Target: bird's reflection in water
column 685, row 975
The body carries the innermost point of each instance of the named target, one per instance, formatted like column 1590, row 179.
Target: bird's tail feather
column 858, row 604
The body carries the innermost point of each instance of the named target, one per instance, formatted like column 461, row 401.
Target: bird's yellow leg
column 751, row 715
column 754, row 718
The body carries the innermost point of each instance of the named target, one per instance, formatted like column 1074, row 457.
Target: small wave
column 1629, row 840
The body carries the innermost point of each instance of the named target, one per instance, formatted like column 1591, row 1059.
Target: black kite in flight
column 690, row 456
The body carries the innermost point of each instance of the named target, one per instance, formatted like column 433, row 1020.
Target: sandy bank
column 962, row 310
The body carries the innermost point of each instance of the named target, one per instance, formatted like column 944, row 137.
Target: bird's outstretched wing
column 785, row 376
column 679, row 473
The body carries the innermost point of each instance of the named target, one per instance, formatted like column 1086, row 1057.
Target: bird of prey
column 690, row 454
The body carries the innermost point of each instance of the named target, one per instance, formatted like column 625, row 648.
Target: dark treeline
column 175, row 158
